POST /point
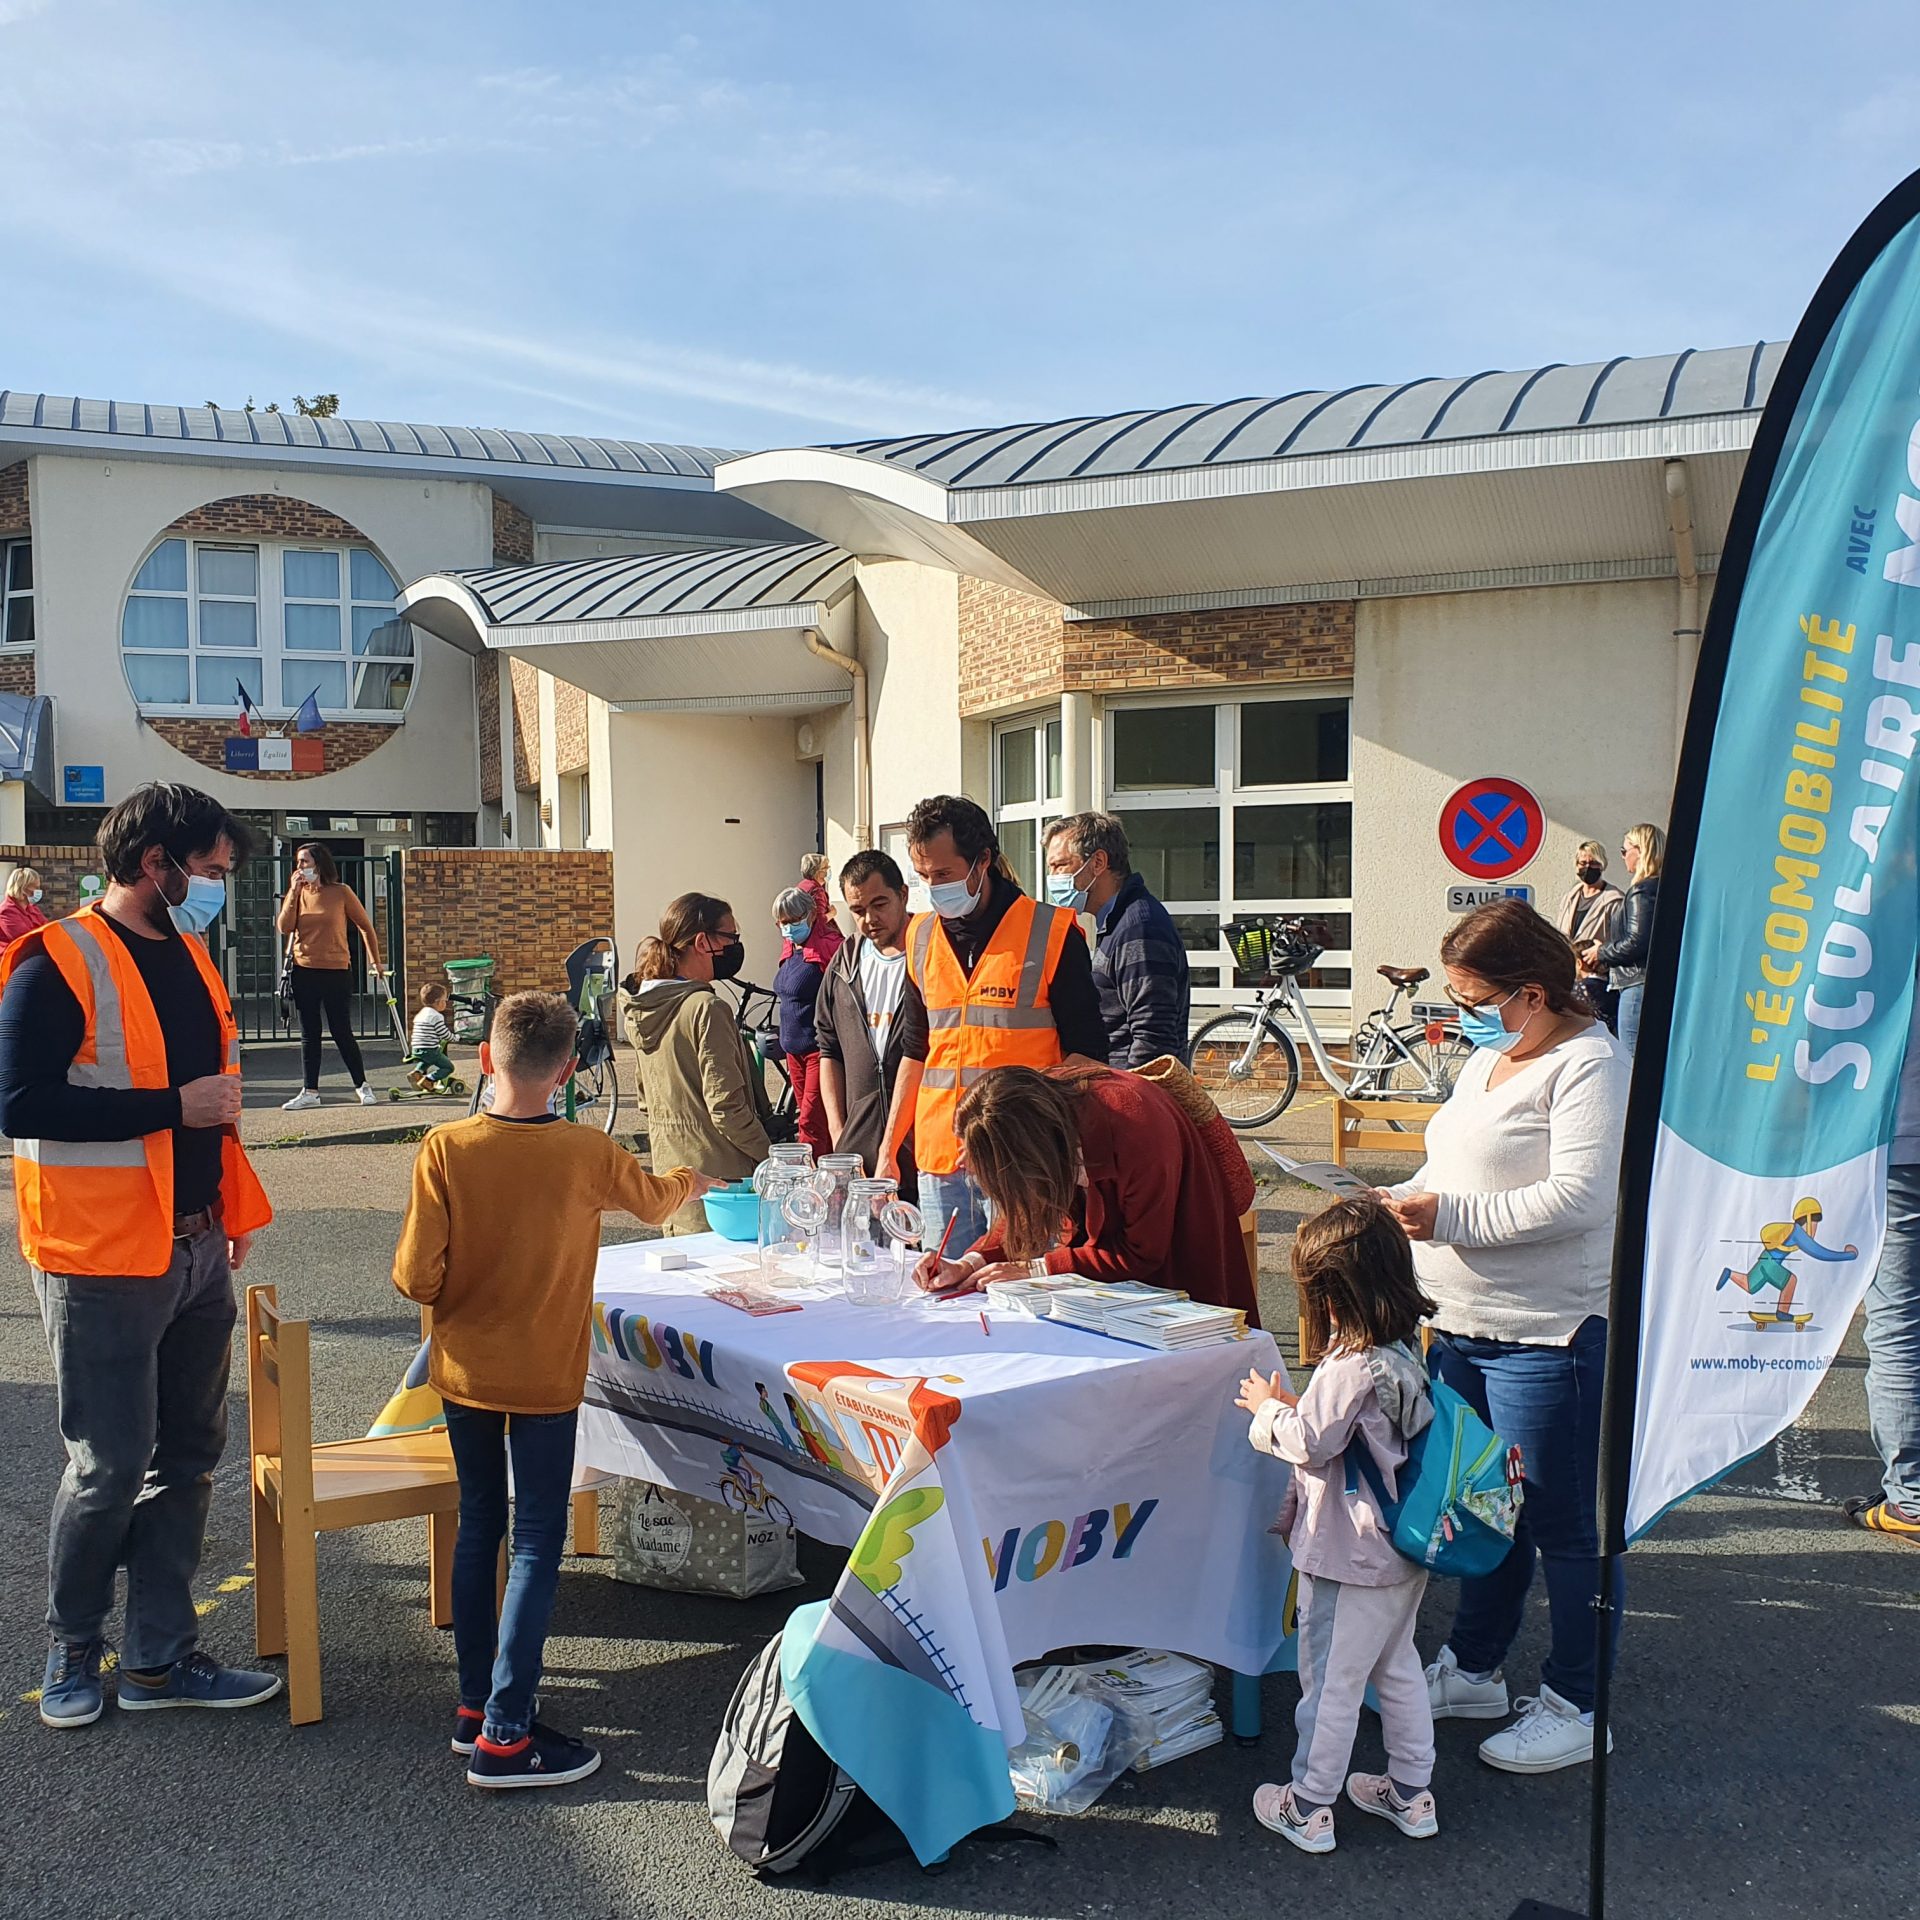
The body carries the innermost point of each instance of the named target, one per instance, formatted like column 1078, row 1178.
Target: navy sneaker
column 467, row 1722
column 543, row 1757
column 197, row 1681
column 70, row 1695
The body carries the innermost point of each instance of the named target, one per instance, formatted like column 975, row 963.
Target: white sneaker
column 368, row 1098
column 301, row 1101
column 1549, row 1735
column 1452, row 1696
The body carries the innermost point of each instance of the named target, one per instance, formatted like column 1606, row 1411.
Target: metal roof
column 639, row 586
column 163, row 429
column 1611, row 393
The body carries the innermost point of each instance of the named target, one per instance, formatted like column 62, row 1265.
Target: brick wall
column 265, row 516
column 569, row 728
column 486, row 694
column 15, row 512
column 526, row 724
column 16, row 673
column 348, row 742
column 59, row 869
column 1015, row 650
column 528, row 909
column 512, row 535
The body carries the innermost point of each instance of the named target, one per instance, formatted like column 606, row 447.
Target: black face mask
column 726, row 963
column 1589, row 874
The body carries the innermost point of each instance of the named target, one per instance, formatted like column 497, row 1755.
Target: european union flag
column 308, row 720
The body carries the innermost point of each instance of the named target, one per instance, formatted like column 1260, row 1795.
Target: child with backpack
column 501, row 1237
column 1359, row 1595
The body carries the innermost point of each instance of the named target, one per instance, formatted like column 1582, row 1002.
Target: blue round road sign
column 1491, row 828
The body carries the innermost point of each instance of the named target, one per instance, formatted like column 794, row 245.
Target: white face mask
column 34, row 897
column 308, row 874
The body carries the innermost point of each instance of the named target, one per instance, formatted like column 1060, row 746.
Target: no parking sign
column 1491, row 828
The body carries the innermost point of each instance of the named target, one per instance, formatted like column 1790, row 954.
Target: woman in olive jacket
column 706, row 1102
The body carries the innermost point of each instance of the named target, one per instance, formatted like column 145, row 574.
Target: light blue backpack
column 1459, row 1491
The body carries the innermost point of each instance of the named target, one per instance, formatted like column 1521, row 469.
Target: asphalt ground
column 1768, row 1706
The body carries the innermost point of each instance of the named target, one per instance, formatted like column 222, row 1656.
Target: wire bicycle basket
column 1265, row 946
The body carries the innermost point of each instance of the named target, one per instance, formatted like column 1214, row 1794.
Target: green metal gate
column 247, row 946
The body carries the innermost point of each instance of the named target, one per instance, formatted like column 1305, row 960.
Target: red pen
column 940, row 1256
column 984, row 1328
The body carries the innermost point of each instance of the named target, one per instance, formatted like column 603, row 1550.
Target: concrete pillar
column 1076, row 751
column 510, row 827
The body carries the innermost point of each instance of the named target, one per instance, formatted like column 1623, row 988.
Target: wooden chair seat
column 359, row 1483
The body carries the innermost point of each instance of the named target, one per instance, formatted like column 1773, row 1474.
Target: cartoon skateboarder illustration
column 1780, row 1240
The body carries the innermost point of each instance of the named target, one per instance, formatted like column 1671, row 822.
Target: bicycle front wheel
column 1248, row 1067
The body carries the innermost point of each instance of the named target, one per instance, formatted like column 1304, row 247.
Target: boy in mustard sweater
column 500, row 1239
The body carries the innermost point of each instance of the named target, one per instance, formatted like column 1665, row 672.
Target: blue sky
column 753, row 225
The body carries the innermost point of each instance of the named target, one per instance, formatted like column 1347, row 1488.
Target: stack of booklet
column 1147, row 1316
column 1091, row 1304
column 1172, row 1694
column 1030, row 1298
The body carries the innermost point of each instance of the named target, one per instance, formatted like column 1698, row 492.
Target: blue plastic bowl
column 734, row 1212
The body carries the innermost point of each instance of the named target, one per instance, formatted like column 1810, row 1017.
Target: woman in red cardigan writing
column 1096, row 1173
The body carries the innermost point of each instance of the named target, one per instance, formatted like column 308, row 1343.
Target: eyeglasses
column 1478, row 1006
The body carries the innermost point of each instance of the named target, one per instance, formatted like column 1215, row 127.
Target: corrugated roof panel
column 1555, row 399
column 498, row 445
column 559, row 448
column 92, row 416
column 197, row 423
column 1476, row 406
column 1635, row 390
column 56, row 410
column 1400, row 415
column 16, row 409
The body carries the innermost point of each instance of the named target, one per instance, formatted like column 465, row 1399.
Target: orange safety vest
column 105, row 1207
column 998, row 1018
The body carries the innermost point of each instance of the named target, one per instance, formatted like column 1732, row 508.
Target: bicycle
column 759, row 1027
column 591, row 1097
column 745, row 1491
column 1250, row 1067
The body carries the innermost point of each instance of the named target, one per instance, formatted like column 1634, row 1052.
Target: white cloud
column 12, row 11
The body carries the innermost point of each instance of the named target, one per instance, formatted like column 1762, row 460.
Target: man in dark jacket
column 856, row 1024
column 1139, row 962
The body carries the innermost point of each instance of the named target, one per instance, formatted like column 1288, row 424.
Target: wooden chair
column 1360, row 1126
column 301, row 1491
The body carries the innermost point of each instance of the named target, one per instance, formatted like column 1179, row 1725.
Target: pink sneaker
column 1274, row 1807
column 1374, row 1793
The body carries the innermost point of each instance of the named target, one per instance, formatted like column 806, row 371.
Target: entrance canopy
column 1536, row 477
column 721, row 630
column 26, row 742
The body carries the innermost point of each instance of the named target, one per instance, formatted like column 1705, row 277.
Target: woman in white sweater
column 1512, row 1223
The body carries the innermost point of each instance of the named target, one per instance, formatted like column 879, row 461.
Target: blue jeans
column 945, row 1193
column 498, row 1675
column 1545, row 1401
column 140, row 1372
column 1893, row 1344
column 1629, row 1017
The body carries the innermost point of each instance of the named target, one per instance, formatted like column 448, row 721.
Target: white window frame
column 1045, row 807
column 270, row 601
column 9, row 594
column 1332, row 1006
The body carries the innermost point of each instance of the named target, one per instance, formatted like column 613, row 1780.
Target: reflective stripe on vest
column 105, row 1207
column 999, row 1017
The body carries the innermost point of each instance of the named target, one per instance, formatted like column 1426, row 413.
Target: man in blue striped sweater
column 1139, row 963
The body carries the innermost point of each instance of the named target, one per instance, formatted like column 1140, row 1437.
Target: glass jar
column 902, row 1222
column 866, row 1258
column 835, row 1174
column 791, row 1211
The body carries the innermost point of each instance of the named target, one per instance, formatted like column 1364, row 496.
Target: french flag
column 246, row 711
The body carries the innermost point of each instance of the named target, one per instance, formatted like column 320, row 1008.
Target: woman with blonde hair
column 1623, row 957
column 706, row 1105
column 20, row 911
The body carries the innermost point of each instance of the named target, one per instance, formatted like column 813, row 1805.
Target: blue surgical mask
column 1483, row 1027
column 954, row 899
column 797, row 930
column 205, row 902
column 34, row 896
column 1064, row 890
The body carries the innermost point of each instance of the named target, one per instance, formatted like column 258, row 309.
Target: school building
column 1275, row 634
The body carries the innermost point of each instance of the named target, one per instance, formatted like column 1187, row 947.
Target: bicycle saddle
column 1403, row 976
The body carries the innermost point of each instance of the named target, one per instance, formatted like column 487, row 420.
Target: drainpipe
column 1686, row 605
column 862, row 744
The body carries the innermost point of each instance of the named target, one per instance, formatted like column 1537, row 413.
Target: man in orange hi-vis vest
column 120, row 1088
column 995, row 979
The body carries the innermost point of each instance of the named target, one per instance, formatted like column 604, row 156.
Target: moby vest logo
column 1059, row 1546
